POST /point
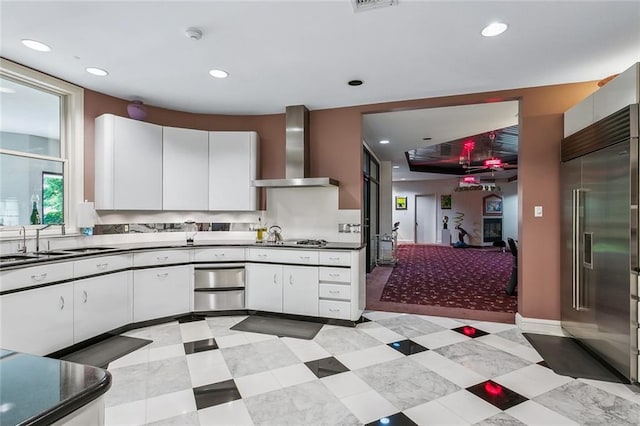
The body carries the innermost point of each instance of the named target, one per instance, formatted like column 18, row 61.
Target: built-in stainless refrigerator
column 599, row 287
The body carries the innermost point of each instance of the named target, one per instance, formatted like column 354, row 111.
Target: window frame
column 71, row 139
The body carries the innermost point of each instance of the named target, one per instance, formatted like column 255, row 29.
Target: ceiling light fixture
column 384, row 141
column 396, row 167
column 355, row 83
column 97, row 71
column 219, row 73
column 36, row 45
column 494, row 29
column 193, row 33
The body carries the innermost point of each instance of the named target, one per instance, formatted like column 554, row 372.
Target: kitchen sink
column 16, row 257
column 87, row 249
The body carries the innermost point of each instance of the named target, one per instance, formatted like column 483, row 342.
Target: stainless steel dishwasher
column 219, row 287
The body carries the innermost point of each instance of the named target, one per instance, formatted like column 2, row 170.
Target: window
column 41, row 152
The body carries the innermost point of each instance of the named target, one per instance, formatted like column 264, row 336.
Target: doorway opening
column 425, row 222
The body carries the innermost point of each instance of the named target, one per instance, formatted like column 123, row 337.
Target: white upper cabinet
column 185, row 169
column 128, row 164
column 233, row 164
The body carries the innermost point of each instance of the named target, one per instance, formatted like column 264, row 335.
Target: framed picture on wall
column 492, row 205
column 445, row 202
column 401, row 203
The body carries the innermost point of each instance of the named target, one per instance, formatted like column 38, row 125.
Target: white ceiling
column 281, row 53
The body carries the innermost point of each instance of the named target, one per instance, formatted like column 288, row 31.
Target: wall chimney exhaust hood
column 296, row 154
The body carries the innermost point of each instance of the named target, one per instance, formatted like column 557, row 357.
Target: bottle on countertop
column 260, row 231
column 35, row 215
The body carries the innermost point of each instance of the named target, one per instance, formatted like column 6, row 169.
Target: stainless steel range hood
column 296, row 154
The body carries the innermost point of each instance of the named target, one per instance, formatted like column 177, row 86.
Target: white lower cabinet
column 38, row 321
column 161, row 292
column 263, row 287
column 101, row 304
column 300, row 290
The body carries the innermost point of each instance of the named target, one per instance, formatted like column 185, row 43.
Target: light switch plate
column 537, row 211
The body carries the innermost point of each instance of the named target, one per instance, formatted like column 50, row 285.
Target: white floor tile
column 129, row 414
column 534, row 414
column 207, row 367
column 433, row 413
column 443, row 321
column 229, row 414
column 513, row 348
column 532, row 380
column 345, row 384
column 164, row 352
column 383, row 334
column 619, row 389
column 255, row 384
column 196, row 330
column 490, row 327
column 170, row 405
column 450, row 370
column 440, row 339
column 293, row 375
column 369, row 406
column 475, row 409
column 135, row 357
column 369, row 356
column 232, row 340
column 377, row 315
column 306, row 350
column 258, row 337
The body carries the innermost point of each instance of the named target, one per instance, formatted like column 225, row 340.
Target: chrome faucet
column 38, row 236
column 23, row 232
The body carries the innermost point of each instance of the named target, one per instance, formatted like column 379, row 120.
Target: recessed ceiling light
column 36, row 45
column 494, row 29
column 396, row 167
column 427, row 139
column 97, row 71
column 355, row 83
column 6, row 90
column 219, row 73
column 403, row 179
column 384, row 142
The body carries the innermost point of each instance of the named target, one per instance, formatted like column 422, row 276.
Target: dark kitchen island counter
column 36, row 390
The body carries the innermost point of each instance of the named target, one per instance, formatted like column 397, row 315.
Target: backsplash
column 140, row 228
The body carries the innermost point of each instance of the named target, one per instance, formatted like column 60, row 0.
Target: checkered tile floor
column 395, row 369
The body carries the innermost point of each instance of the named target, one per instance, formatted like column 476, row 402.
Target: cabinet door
column 128, row 173
column 101, row 304
column 264, row 287
column 38, row 321
column 233, row 161
column 300, row 290
column 185, row 169
column 161, row 292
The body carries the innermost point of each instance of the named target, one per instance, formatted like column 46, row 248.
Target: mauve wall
column 336, row 145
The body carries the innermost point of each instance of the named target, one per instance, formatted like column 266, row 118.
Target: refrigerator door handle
column 576, row 276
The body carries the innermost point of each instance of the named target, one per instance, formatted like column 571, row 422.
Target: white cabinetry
column 185, row 169
column 38, row 321
column 615, row 95
column 161, row 292
column 264, row 287
column 233, row 164
column 128, row 166
column 300, row 290
column 101, row 304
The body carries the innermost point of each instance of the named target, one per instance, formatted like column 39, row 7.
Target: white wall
column 464, row 204
column 386, row 199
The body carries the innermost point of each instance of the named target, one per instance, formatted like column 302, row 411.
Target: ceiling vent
column 361, row 5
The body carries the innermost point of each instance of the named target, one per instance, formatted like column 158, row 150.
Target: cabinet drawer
column 342, row 258
column 334, row 309
column 219, row 254
column 97, row 265
column 335, row 275
column 303, row 257
column 335, row 291
column 35, row 275
column 161, row 257
column 218, row 300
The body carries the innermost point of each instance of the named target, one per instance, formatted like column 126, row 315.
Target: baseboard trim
column 540, row 326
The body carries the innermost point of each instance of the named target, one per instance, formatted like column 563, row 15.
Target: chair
column 513, row 280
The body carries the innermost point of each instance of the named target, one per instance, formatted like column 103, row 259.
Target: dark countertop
column 36, row 390
column 30, row 259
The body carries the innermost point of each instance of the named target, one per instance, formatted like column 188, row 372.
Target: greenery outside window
column 41, row 148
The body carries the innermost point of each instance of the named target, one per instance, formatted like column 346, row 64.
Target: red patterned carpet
column 470, row 278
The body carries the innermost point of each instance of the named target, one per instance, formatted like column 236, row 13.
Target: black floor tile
column 216, row 394
column 326, row 367
column 190, row 318
column 200, row 346
column 398, row 419
column 102, row 353
column 544, row 364
column 407, row 347
column 469, row 331
column 497, row 395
